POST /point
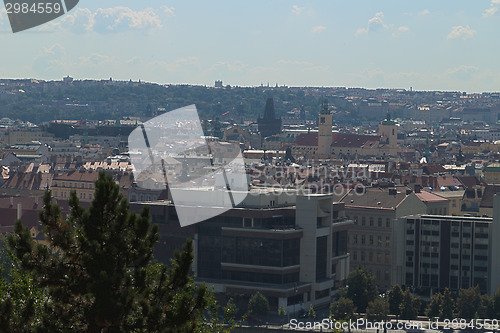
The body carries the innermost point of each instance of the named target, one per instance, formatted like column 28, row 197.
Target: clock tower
column 324, row 132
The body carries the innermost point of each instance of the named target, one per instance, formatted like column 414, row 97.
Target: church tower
column 324, row 132
column 269, row 125
column 388, row 131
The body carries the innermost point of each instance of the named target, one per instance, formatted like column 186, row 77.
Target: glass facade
column 215, row 249
column 260, row 252
column 339, row 243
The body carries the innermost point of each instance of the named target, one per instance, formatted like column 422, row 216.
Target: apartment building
column 436, row 252
column 18, row 136
column 374, row 212
column 82, row 182
column 435, row 203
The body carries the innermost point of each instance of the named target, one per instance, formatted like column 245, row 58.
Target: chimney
column 11, row 201
column 19, row 210
column 393, row 191
column 36, row 200
column 408, row 191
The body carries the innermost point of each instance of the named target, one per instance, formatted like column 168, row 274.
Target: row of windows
column 371, row 256
column 133, row 197
column 262, row 252
column 73, row 185
column 66, row 195
column 371, row 240
column 371, row 221
column 438, row 211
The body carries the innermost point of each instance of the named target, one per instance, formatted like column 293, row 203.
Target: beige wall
column 371, row 243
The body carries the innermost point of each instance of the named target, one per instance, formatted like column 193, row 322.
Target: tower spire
column 269, row 112
column 324, row 109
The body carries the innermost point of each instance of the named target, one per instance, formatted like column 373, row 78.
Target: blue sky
column 429, row 45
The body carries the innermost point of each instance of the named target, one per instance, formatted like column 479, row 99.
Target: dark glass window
column 291, row 252
column 339, row 243
column 321, row 256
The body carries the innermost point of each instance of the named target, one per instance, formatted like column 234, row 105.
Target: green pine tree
column 395, row 300
column 98, row 271
column 362, row 288
column 409, row 306
column 377, row 310
column 342, row 309
column 281, row 310
column 258, row 304
column 447, row 306
column 496, row 303
column 469, row 303
column 311, row 313
column 434, row 306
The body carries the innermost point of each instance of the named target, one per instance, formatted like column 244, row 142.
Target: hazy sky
column 429, row 45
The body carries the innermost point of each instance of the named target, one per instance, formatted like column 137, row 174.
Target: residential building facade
column 374, row 212
column 435, row 252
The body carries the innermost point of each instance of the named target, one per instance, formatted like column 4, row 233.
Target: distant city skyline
column 427, row 45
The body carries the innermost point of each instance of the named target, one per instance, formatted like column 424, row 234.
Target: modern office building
column 289, row 246
column 292, row 248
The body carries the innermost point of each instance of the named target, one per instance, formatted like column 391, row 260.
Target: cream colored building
column 374, row 212
column 325, row 132
column 492, row 173
column 11, row 137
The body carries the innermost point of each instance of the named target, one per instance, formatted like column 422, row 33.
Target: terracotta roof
column 77, row 175
column 26, row 181
column 353, row 140
column 448, row 180
column 469, row 181
column 338, row 140
column 377, row 198
column 433, row 168
column 307, row 139
column 425, row 196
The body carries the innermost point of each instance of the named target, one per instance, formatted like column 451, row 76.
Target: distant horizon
column 246, row 86
column 428, row 45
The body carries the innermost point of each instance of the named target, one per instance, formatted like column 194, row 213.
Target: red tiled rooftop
column 353, row 140
column 78, row 175
column 338, row 140
column 448, row 180
column 307, row 139
column 425, row 196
